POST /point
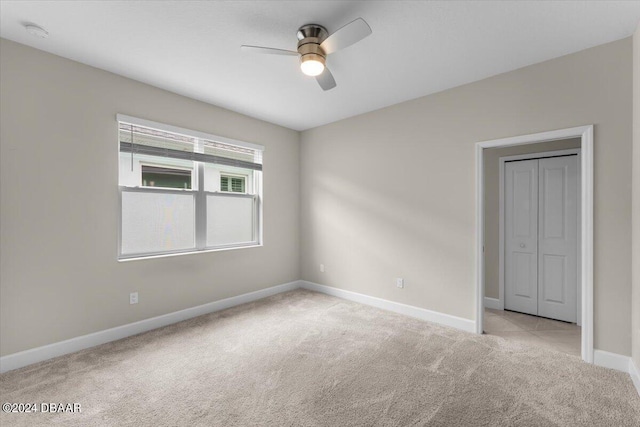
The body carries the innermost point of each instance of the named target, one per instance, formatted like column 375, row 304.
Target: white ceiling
column 417, row 48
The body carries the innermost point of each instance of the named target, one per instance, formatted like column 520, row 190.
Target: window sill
column 204, row 251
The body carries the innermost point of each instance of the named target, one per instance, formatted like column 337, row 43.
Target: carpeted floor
column 307, row 359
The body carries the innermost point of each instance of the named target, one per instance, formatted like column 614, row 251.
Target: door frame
column 501, row 245
column 585, row 133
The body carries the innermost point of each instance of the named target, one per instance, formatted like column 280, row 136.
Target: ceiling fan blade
column 326, row 80
column 268, row 50
column 351, row 33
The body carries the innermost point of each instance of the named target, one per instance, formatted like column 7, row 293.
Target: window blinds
column 232, row 184
column 139, row 136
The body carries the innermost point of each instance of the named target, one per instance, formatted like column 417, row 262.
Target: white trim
column 493, row 303
column 38, row 354
column 501, row 222
column 586, row 234
column 586, row 215
column 479, row 277
column 635, row 375
column 620, row 363
column 500, row 233
column 206, row 251
column 408, row 310
column 188, row 132
column 610, row 360
column 553, row 135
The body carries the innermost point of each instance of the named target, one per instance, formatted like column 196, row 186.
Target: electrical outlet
column 321, row 268
column 133, row 298
column 400, row 282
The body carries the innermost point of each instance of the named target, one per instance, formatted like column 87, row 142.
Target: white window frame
column 199, row 195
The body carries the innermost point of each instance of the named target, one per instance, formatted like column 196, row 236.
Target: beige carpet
column 307, row 359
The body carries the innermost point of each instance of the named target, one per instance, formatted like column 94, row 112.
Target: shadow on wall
column 376, row 226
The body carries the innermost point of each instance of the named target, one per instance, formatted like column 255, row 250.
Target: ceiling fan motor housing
column 310, row 37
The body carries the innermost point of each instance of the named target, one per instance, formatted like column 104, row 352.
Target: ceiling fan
column 315, row 43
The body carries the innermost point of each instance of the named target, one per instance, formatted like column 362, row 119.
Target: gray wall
column 636, row 198
column 391, row 193
column 492, row 204
column 59, row 204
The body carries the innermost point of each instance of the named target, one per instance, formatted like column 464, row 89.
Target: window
column 185, row 191
column 232, row 184
column 166, row 177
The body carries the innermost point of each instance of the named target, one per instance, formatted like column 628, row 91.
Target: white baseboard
column 611, row 360
column 38, row 354
column 408, row 310
column 635, row 375
column 493, row 303
column 619, row 363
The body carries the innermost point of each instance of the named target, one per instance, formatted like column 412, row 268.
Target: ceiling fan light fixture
column 312, row 64
column 314, row 44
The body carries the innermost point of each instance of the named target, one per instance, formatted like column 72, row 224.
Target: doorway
column 572, row 301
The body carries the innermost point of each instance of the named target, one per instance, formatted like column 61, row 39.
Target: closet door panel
column 558, row 238
column 521, row 236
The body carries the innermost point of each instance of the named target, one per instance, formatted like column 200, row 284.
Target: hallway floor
column 538, row 331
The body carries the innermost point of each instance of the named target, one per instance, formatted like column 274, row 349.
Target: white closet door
column 558, row 238
column 521, row 236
